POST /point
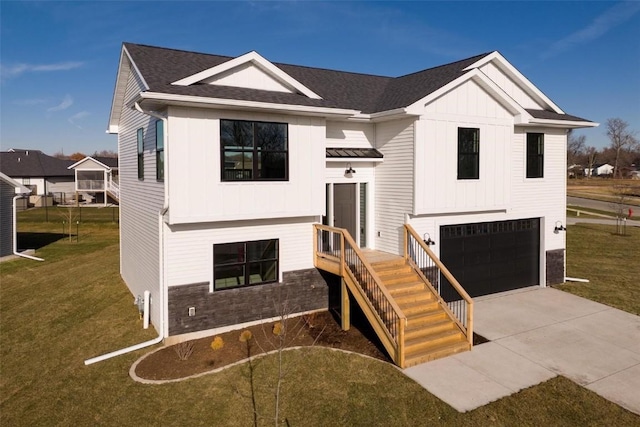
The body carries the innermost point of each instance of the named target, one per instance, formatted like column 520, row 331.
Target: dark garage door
column 492, row 257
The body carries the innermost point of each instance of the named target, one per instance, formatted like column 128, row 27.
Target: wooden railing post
column 401, row 361
column 342, row 254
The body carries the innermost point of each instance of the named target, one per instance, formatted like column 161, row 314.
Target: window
column 468, row 153
column 254, row 151
column 245, row 263
column 160, row 150
column 140, row 153
column 535, row 155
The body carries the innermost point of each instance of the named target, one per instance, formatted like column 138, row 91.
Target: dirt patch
column 322, row 328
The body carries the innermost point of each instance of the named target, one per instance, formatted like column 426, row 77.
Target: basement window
column 245, row 263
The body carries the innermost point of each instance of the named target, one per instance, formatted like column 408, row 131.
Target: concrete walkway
column 536, row 334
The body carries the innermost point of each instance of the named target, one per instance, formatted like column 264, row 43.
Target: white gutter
column 161, row 214
column 15, row 234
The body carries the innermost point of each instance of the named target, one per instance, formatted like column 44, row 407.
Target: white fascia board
column 397, row 113
column 567, row 124
column 86, row 159
column 517, row 76
column 260, row 62
column 19, row 188
column 124, row 68
column 189, row 100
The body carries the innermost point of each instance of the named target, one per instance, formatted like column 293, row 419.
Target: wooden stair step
column 432, row 340
column 435, row 352
column 414, row 296
column 419, row 307
column 425, row 318
column 399, row 288
column 392, row 263
column 405, row 278
column 393, row 270
column 421, row 331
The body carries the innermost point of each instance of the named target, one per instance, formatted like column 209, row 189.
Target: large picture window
column 254, row 151
column 140, row 140
column 535, row 155
column 468, row 153
column 244, row 263
column 160, row 150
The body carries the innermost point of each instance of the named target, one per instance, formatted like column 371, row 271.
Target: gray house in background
column 41, row 173
column 9, row 188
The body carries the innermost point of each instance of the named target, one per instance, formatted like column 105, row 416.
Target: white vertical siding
column 394, row 182
column 248, row 76
column 197, row 192
column 140, row 204
column 189, row 247
column 438, row 188
column 509, row 86
column 351, row 135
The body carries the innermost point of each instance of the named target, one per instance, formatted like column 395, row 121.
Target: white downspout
column 164, row 210
column 15, row 234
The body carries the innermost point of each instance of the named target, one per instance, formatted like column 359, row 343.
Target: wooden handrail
column 447, row 274
column 347, row 236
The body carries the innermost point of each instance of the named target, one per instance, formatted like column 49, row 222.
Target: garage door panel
column 493, row 257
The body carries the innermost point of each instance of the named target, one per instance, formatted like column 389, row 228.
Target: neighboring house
column 42, row 174
column 226, row 163
column 98, row 177
column 603, row 169
column 9, row 188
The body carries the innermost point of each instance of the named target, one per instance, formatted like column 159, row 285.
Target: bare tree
column 592, row 156
column 576, row 146
column 622, row 138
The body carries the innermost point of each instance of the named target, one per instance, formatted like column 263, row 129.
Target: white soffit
column 252, row 58
column 515, row 75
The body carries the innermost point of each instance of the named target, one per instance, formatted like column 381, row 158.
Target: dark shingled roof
column 338, row 89
column 33, row 163
column 552, row 115
column 353, row 153
column 112, row 162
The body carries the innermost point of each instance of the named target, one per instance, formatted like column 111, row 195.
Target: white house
column 226, row 164
column 97, row 177
column 602, row 169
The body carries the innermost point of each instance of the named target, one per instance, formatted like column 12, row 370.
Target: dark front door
column 492, row 257
column 344, row 207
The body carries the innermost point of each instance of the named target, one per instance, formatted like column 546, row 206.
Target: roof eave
column 566, row 124
column 124, row 68
column 189, row 100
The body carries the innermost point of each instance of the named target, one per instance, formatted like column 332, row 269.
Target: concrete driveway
column 536, row 334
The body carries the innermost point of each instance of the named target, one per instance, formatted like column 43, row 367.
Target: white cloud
column 611, row 18
column 66, row 103
column 78, row 116
column 10, row 71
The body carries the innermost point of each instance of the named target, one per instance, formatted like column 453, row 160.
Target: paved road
column 597, row 204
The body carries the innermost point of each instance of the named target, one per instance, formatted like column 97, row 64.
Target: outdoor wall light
column 427, row 239
column 559, row 227
column 349, row 170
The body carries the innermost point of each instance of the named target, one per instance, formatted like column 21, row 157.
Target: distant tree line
column 79, row 156
column 623, row 152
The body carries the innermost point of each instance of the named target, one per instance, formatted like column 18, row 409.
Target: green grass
column 609, row 261
column 73, row 306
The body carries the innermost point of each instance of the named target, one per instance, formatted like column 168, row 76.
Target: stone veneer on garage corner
column 304, row 290
column 555, row 266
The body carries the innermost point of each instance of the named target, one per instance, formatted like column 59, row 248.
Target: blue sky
column 59, row 59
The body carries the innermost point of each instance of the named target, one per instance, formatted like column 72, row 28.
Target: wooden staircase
column 429, row 333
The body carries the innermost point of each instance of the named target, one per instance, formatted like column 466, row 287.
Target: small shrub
column 310, row 320
column 217, row 343
column 184, row 349
column 278, row 329
column 245, row 336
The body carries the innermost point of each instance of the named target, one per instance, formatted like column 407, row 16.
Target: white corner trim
column 259, row 61
column 511, row 71
column 221, row 102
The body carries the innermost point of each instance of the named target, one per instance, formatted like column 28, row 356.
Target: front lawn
column 610, row 262
column 73, row 306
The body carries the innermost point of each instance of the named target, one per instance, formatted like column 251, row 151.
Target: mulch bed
column 322, row 329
